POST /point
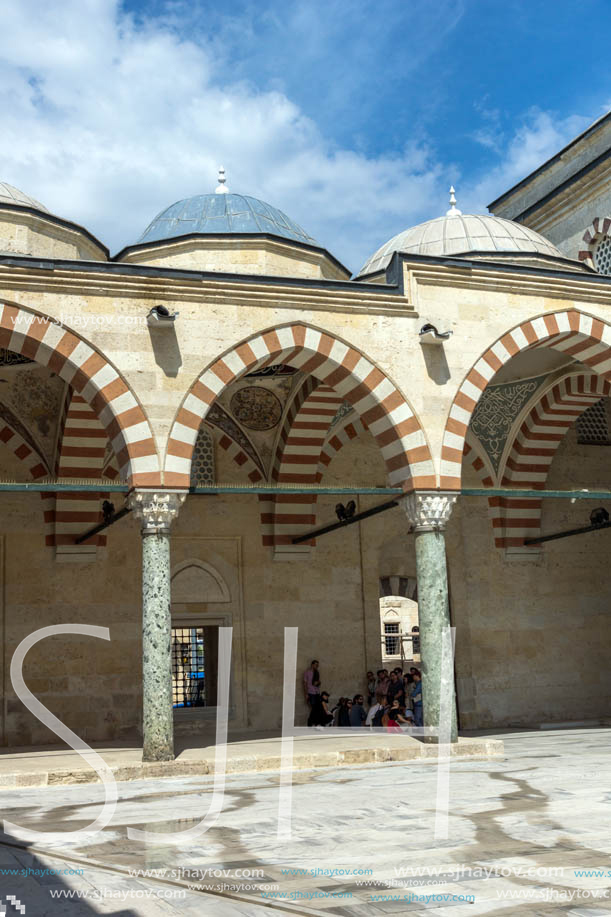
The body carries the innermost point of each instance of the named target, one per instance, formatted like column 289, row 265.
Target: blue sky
column 353, row 117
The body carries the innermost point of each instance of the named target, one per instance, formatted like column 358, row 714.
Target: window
column 194, row 665
column 393, row 644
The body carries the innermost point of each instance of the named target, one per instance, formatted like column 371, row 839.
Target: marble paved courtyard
column 527, row 834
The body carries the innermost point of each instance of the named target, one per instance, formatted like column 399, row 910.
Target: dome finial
column 453, row 211
column 221, row 188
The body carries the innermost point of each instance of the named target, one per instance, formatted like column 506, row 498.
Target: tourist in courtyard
column 374, row 717
column 311, row 688
column 357, row 714
column 382, row 684
column 394, row 712
column 417, row 698
column 326, row 717
column 343, row 714
column 371, row 688
column 395, row 688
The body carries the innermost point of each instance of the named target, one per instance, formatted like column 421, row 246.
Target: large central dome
column 456, row 234
column 219, row 214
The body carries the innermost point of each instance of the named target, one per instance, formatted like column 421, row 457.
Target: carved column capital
column 156, row 509
column 429, row 510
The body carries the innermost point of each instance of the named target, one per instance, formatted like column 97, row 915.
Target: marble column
column 156, row 510
column 429, row 511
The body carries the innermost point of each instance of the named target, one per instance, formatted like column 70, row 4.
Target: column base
column 152, row 753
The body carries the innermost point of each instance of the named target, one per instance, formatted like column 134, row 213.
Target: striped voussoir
column 478, row 464
column 81, row 454
column 33, row 461
column 532, row 452
column 91, row 376
column 598, row 229
column 302, row 437
column 344, row 433
column 341, row 367
column 248, row 466
column 570, row 332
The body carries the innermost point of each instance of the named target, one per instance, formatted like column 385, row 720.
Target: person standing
column 417, row 698
column 311, row 688
column 371, row 688
column 357, row 714
column 395, row 689
column 343, row 714
column 382, row 684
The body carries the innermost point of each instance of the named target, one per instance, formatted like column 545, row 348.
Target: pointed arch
column 334, row 363
column 47, row 342
column 571, row 332
column 531, row 450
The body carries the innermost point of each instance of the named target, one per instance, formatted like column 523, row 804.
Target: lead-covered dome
column 15, row 197
column 219, row 214
column 233, row 234
column 456, row 234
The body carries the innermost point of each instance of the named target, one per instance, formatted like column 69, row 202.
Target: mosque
column 221, row 427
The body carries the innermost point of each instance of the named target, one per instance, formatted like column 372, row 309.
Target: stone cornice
column 494, row 277
column 128, row 281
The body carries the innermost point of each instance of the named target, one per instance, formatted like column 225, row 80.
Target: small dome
column 11, row 195
column 223, row 213
column 456, row 234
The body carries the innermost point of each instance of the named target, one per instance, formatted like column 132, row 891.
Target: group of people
column 394, row 701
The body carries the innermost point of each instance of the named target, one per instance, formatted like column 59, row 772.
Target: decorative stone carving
column 429, row 510
column 156, row 509
column 256, row 408
column 344, row 409
column 496, row 411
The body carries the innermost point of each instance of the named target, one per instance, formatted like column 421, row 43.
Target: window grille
column 188, row 669
column 592, row 428
column 202, row 466
column 602, row 256
column 393, row 644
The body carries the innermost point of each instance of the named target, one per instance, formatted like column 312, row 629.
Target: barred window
column 202, row 466
column 393, row 644
column 592, row 428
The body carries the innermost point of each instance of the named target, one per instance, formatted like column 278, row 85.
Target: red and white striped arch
column 81, row 454
column 50, row 344
column 597, row 230
column 302, row 436
column 532, row 450
column 334, row 363
column 570, row 332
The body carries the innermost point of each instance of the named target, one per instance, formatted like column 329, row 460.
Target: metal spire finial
column 221, row 188
column 453, row 211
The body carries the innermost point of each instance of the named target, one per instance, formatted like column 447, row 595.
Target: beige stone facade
column 305, row 381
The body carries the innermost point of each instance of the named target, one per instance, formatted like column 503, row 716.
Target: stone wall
column 533, row 640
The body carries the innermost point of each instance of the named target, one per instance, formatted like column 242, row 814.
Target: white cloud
column 539, row 137
column 107, row 121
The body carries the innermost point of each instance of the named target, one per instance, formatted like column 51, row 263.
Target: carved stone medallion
column 256, row 408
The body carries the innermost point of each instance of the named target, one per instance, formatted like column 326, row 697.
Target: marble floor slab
column 519, row 836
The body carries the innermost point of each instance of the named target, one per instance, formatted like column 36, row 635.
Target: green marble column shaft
column 433, row 616
column 157, row 711
column 156, row 509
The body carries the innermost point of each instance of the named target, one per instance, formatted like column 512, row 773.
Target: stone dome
column 11, row 195
column 455, row 235
column 222, row 214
